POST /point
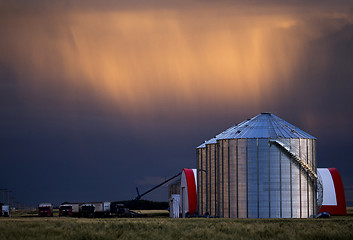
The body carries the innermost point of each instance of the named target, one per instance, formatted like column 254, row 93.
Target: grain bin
column 201, row 178
column 206, row 155
column 263, row 167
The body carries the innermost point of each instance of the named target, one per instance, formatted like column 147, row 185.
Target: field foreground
column 166, row 228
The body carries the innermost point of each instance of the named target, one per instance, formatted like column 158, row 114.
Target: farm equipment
column 87, row 210
column 99, row 209
column 95, row 209
column 65, row 210
column 123, row 210
column 69, row 209
column 45, row 210
column 119, row 210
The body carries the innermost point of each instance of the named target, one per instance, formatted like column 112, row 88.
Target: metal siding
column 208, row 172
column 210, row 180
column 304, row 179
column 203, row 174
column 263, row 178
column 275, row 183
column 286, row 206
column 310, row 152
column 201, row 182
column 295, row 173
column 242, row 179
column 310, row 200
column 219, row 190
column 252, row 179
column 310, row 184
column 311, row 187
column 212, row 184
column 225, row 179
column 232, row 179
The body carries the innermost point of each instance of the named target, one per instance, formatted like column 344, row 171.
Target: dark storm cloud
column 323, row 93
column 66, row 136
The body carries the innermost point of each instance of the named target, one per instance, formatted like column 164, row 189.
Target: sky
column 100, row 97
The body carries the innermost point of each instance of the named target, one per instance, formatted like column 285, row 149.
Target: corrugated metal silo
column 265, row 168
column 201, row 179
column 207, row 155
column 211, row 171
column 206, row 164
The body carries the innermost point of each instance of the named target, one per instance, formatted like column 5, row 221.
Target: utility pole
column 3, row 192
column 12, row 201
column 8, row 197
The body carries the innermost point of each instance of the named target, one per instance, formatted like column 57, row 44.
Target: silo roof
column 203, row 145
column 264, row 125
column 211, row 141
column 214, row 140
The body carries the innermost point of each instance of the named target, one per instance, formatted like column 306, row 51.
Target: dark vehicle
column 87, row 210
column 119, row 210
column 323, row 215
column 65, row 210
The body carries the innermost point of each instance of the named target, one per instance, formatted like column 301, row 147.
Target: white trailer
column 106, row 208
column 99, row 208
column 102, row 209
column 75, row 209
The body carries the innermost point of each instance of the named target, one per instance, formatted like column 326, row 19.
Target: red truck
column 45, row 210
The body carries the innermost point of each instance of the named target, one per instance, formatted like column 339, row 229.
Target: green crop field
column 157, row 226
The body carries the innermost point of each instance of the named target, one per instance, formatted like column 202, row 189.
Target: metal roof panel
column 264, row 125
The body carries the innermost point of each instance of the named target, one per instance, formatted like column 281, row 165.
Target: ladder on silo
column 301, row 163
column 297, row 160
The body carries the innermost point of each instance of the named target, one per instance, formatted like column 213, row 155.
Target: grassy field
column 157, row 226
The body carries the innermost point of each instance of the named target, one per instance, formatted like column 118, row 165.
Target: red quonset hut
column 188, row 191
column 334, row 200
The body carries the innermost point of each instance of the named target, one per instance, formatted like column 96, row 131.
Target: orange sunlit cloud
column 139, row 60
